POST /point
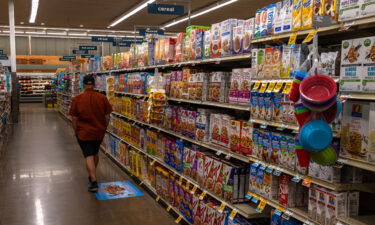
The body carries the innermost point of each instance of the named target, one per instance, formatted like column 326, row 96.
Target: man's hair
column 89, row 80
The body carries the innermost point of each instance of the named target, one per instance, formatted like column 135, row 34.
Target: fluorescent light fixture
column 17, row 32
column 97, row 35
column 56, row 33
column 77, row 34
column 209, row 9
column 33, row 32
column 34, row 10
column 126, row 15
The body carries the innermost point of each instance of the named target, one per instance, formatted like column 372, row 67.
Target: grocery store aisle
column 43, row 179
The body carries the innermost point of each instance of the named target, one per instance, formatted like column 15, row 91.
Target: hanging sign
column 3, row 57
column 1, row 51
column 132, row 39
column 165, row 9
column 86, row 47
column 102, row 39
column 87, row 56
column 65, row 59
column 69, row 57
column 143, row 32
column 78, row 52
column 122, row 44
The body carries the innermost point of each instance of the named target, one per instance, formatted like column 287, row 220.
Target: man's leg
column 91, row 168
column 96, row 159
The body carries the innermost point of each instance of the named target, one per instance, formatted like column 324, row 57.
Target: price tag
column 169, row 208
column 140, row 183
column 153, row 162
column 233, row 214
column 306, row 182
column 218, row 62
column 263, row 126
column 287, row 214
column 228, row 156
column 308, row 222
column 218, row 153
column 201, row 197
column 261, row 205
column 194, row 189
column 222, row 207
column 178, row 219
column 278, row 212
column 249, row 195
column 292, row 38
column 310, row 36
column 255, row 198
column 280, row 208
column 157, row 198
column 269, row 170
column 180, row 181
column 296, row 179
column 187, row 184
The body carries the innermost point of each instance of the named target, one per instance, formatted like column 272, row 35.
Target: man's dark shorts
column 89, row 148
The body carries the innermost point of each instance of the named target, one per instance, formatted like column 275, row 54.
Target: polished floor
column 43, row 179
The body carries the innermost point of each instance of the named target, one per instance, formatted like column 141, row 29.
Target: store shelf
column 228, row 154
column 357, row 163
column 275, row 124
column 144, row 183
column 358, row 96
column 129, row 94
column 358, row 220
column 244, row 209
column 216, row 104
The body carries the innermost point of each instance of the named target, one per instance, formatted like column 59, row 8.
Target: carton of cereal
column 206, row 44
column 331, row 8
column 245, row 87
column 212, row 184
column 234, row 135
column 349, row 10
column 225, row 126
column 257, row 25
column 263, row 22
column 368, row 59
column 237, row 41
column 287, row 190
column 200, row 168
column 367, row 8
column 297, row 15
column 254, row 110
column 336, row 207
column 215, row 46
column 267, row 71
column 270, row 18
column 351, row 65
column 208, row 161
column 202, row 125
column 287, row 15
column 276, row 61
column 260, row 63
column 215, row 128
column 307, row 14
column 278, row 18
column 235, row 85
column 248, row 31
column 227, row 36
column 285, row 65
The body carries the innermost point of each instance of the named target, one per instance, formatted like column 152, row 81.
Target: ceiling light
column 126, row 15
column 22, row 22
column 81, row 25
column 42, row 24
column 77, row 34
column 99, row 35
column 33, row 32
column 212, row 8
column 34, row 10
column 56, row 33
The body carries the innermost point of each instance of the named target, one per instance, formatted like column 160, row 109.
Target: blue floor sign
column 117, row 189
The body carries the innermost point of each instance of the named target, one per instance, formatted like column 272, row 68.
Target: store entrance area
column 43, row 179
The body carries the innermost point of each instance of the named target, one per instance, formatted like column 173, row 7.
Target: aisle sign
column 132, row 39
column 122, row 44
column 102, row 39
column 69, row 57
column 87, row 47
column 165, row 9
column 65, row 60
column 87, row 56
column 78, row 52
column 143, row 32
column 292, row 38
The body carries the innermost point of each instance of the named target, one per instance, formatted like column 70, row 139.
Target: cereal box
column 268, row 101
column 200, row 168
column 358, row 132
column 277, row 99
column 235, row 85
column 276, row 147
column 237, row 41
column 287, row 15
column 297, row 15
column 271, row 9
column 261, row 103
column 297, row 58
column 192, row 86
column 331, row 8
column 224, row 135
column 200, row 79
column 336, row 207
column 271, row 186
column 245, row 85
column 200, row 214
column 215, row 128
column 321, row 206
column 351, row 65
column 213, row 175
column 192, row 116
column 260, row 63
column 254, row 110
column 353, row 204
column 227, row 36
column 349, row 10
column 230, row 174
column 267, row 71
column 263, row 22
column 199, row 44
column 234, row 135
column 278, row 18
column 248, row 32
column 220, row 218
column 313, row 202
column 259, row 179
column 252, row 180
column 187, row 162
column 206, row 44
column 307, row 14
column 202, row 125
column 208, row 161
column 218, row 87
column 215, row 46
column 276, row 61
column 367, row 8
column 368, row 59
column 287, row 190
column 257, row 25
column 179, row 46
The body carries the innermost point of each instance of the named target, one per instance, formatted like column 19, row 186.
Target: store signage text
column 143, row 32
column 78, row 52
column 165, row 9
column 86, row 47
column 102, row 39
column 87, row 56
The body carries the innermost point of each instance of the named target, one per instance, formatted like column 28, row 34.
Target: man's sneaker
column 93, row 186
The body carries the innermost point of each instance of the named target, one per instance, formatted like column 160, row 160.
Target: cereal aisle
column 227, row 112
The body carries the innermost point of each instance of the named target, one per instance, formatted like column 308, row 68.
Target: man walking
column 90, row 112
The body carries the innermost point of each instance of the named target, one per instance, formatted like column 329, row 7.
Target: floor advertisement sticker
column 117, row 189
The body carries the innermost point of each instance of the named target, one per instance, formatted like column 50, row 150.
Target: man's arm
column 74, row 122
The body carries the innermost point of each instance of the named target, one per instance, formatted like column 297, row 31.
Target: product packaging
column 245, row 85
column 278, row 18
column 297, row 15
column 257, row 25
column 368, row 60
column 349, row 10
column 248, row 31
column 235, row 81
column 287, row 15
column 215, row 46
column 287, row 190
column 235, row 135
column 237, row 41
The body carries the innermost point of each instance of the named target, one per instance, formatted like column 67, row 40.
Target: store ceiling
column 97, row 14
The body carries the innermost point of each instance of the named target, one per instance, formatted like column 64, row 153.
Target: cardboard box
column 235, row 85
column 368, row 60
column 215, row 46
column 202, row 125
column 367, row 8
column 313, row 203
column 237, row 41
column 245, row 147
column 245, row 85
column 349, row 10
column 224, row 135
column 321, row 206
column 353, row 204
column 215, row 128
column 248, row 34
column 235, row 135
column 336, row 207
column 287, row 191
column 278, row 18
column 227, row 36
column 200, row 168
column 287, row 15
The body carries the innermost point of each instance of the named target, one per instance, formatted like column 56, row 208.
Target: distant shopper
column 90, row 112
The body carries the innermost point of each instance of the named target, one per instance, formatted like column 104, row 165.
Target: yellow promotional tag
column 222, row 207
column 306, row 182
column 278, row 87
column 310, row 36
column 153, row 162
column 287, row 87
column 157, row 198
column 276, row 38
column 256, row 85
column 178, row 219
column 263, row 87
column 271, row 86
column 233, row 214
column 187, row 184
column 292, row 38
column 201, row 197
column 194, row 189
column 180, row 180
column 169, row 208
column 281, row 209
column 261, row 205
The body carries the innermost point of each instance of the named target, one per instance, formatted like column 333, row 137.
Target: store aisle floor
column 43, row 179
